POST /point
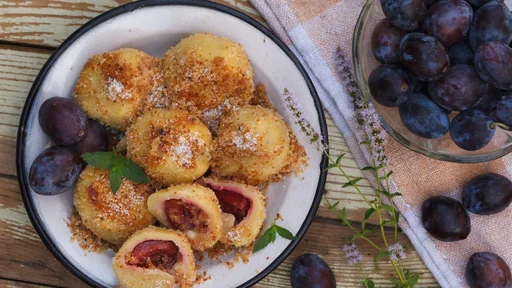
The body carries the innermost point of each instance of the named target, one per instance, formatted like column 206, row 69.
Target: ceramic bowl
column 154, row 26
column 442, row 148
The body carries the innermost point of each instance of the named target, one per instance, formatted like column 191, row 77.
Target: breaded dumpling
column 252, row 146
column 113, row 87
column 192, row 209
column 155, row 258
column 204, row 72
column 172, row 146
column 113, row 217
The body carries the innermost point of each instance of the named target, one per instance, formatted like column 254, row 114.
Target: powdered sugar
column 117, row 90
column 183, row 151
column 246, row 141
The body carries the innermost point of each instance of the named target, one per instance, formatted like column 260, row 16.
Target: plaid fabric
column 314, row 30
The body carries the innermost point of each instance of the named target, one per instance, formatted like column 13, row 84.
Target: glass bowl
column 442, row 148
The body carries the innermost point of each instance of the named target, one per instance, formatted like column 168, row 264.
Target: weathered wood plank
column 19, row 67
column 15, row 284
column 22, row 254
column 24, row 257
column 48, row 23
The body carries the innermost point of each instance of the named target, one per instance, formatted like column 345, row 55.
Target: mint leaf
column 283, row 232
column 115, row 179
column 131, row 170
column 264, row 240
column 103, row 160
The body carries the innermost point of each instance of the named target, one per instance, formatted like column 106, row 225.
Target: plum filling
column 158, row 254
column 184, row 216
column 231, row 202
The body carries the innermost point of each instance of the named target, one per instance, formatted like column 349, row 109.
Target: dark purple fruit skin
column 492, row 22
column 54, row 171
column 310, row 271
column 487, row 194
column 501, row 108
column 484, row 104
column 419, row 86
column 478, row 3
column 386, row 42
column 492, row 62
column 423, row 117
column 445, row 219
column 471, row 130
column 404, row 14
column 488, row 270
column 462, row 53
column 429, row 3
column 62, row 120
column 448, row 21
column 424, row 56
column 459, row 89
column 390, row 85
column 95, row 139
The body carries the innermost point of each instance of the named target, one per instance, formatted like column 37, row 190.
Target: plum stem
column 501, row 125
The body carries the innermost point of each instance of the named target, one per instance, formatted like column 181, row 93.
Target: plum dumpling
column 192, row 209
column 113, row 86
column 253, row 145
column 243, row 210
column 204, row 71
column 113, row 217
column 155, row 258
column 171, row 145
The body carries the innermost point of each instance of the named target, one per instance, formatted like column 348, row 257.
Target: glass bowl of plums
column 439, row 72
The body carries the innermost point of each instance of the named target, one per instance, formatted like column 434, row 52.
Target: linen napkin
column 314, row 30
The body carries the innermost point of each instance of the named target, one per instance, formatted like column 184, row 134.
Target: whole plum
column 472, row 130
column 445, row 219
column 462, row 53
column 501, row 108
column 459, row 89
column 424, row 56
column 488, row 270
column 54, row 171
column 390, row 85
column 492, row 22
column 478, row 3
column 448, row 21
column 423, row 117
column 492, row 62
column 95, row 139
column 62, row 120
column 404, row 14
column 487, row 194
column 386, row 42
column 310, row 271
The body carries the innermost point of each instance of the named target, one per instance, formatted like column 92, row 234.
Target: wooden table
column 29, row 33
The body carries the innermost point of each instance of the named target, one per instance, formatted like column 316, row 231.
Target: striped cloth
column 314, row 30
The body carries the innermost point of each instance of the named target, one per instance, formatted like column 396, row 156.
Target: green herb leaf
column 338, row 161
column 378, row 257
column 343, row 215
column 283, row 232
column 103, row 160
column 369, row 168
column 264, row 240
column 387, row 208
column 355, row 237
column 368, row 283
column 115, row 177
column 132, row 171
column 352, row 182
column 368, row 213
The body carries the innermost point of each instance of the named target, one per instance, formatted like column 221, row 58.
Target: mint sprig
column 270, row 235
column 119, row 167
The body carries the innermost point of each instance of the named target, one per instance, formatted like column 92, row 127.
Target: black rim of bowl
column 20, row 156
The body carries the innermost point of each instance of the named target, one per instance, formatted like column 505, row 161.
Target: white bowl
column 154, row 26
